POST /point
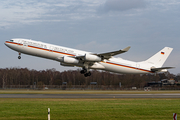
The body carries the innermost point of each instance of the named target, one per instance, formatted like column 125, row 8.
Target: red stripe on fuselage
column 41, row 48
column 14, row 43
column 129, row 67
column 74, row 55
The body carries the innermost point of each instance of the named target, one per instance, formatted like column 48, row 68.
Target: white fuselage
column 55, row 52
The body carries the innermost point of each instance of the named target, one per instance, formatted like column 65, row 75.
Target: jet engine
column 92, row 58
column 70, row 60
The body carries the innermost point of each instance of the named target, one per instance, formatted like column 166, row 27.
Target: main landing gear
column 19, row 57
column 85, row 72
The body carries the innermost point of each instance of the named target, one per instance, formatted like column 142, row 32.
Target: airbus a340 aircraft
column 87, row 60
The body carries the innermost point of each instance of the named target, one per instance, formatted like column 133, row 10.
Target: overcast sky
column 91, row 25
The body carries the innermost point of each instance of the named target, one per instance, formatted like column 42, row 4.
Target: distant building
column 155, row 83
column 163, row 82
column 168, row 82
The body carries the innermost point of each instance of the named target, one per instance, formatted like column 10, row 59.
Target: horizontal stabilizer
column 159, row 69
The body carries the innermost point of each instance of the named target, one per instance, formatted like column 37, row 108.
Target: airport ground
column 30, row 91
column 88, row 108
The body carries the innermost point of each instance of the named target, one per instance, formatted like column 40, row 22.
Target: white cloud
column 96, row 47
column 20, row 11
column 27, row 12
column 147, row 26
column 121, row 5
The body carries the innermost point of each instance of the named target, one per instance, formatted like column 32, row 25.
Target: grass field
column 89, row 109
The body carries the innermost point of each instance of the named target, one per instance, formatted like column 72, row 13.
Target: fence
column 82, row 87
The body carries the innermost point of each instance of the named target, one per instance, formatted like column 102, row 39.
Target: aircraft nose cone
column 6, row 43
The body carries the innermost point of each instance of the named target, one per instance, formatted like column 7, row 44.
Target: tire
column 85, row 75
column 83, row 71
column 89, row 73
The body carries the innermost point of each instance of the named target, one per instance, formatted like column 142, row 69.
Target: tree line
column 25, row 76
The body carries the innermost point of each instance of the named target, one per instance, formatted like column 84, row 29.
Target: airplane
column 88, row 60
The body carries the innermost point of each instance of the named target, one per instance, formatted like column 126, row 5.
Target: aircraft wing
column 162, row 68
column 110, row 54
column 106, row 55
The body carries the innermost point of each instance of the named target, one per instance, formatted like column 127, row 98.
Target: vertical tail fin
column 159, row 58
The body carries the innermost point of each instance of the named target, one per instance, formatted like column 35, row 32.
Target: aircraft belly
column 122, row 69
column 97, row 66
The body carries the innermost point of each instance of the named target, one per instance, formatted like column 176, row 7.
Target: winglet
column 126, row 49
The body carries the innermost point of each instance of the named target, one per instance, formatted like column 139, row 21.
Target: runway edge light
column 174, row 116
column 48, row 113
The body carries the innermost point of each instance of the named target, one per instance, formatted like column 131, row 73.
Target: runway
column 89, row 96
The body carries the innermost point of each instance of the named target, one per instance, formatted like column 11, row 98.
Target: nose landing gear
column 19, row 57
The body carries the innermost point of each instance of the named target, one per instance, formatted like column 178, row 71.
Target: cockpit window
column 12, row 40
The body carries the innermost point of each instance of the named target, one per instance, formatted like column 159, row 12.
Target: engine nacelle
column 70, row 60
column 92, row 58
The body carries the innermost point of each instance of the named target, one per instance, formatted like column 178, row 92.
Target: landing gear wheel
column 87, row 74
column 83, row 71
column 19, row 57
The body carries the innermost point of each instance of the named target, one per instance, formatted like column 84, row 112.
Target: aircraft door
column 137, row 66
column 25, row 43
column 51, row 48
column 20, row 42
